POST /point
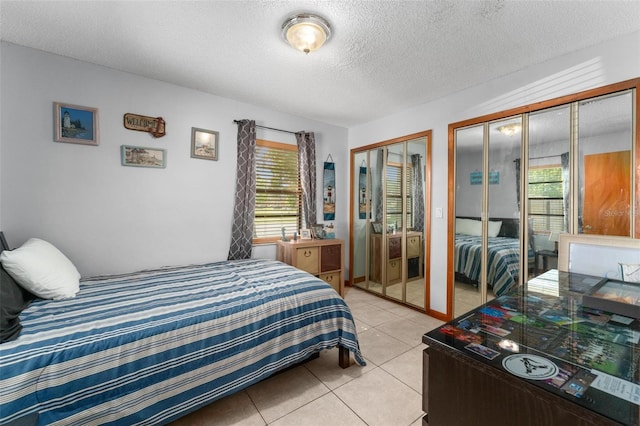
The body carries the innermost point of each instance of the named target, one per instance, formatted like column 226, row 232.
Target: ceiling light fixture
column 306, row 32
column 510, row 129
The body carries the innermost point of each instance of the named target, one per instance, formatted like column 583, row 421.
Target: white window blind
column 546, row 205
column 277, row 191
column 394, row 195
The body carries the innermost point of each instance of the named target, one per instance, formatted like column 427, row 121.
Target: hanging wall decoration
column 329, row 190
column 476, row 177
column 362, row 192
column 139, row 156
column 142, row 123
column 75, row 124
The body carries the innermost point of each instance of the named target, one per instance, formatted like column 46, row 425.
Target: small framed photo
column 305, row 234
column 317, row 231
column 377, row 227
column 204, row 144
column 138, row 156
column 75, row 124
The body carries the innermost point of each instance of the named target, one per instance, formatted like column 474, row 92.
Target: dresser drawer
column 307, row 259
column 395, row 247
column 394, row 270
column 333, row 279
column 331, row 258
column 413, row 246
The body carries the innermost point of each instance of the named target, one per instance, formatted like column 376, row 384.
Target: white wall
column 610, row 62
column 108, row 218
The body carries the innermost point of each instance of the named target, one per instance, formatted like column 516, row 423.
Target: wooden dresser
column 322, row 258
column 394, row 260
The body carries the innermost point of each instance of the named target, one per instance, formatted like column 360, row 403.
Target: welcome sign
column 142, row 123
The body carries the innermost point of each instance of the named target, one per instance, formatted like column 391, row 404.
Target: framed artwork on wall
column 75, row 124
column 204, row 144
column 138, row 156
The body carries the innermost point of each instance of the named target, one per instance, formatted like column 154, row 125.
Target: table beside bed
column 538, row 356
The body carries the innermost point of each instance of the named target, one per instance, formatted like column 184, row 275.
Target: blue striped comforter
column 503, row 260
column 148, row 347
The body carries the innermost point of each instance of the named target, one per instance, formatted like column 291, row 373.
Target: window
column 545, row 198
column 278, row 201
column 394, row 195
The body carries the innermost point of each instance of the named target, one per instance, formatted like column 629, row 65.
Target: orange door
column 607, row 194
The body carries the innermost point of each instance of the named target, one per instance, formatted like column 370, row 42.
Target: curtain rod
column 270, row 128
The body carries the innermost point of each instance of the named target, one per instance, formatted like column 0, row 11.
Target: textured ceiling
column 383, row 57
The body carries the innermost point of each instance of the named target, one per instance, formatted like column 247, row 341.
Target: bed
column 503, row 254
column 149, row 347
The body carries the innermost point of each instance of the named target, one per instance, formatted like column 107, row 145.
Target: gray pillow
column 13, row 299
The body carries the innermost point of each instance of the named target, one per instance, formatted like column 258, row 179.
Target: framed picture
column 618, row 297
column 204, row 144
column 143, row 157
column 305, row 234
column 317, row 231
column 75, row 124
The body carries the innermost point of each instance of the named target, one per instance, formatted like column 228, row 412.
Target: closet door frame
column 426, row 243
column 523, row 112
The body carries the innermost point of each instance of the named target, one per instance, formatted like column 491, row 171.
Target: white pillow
column 494, row 228
column 468, row 227
column 42, row 269
column 474, row 227
column 630, row 272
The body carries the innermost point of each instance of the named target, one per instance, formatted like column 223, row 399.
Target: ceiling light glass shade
column 510, row 129
column 306, row 32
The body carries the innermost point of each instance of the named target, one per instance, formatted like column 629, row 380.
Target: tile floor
column 467, row 298
column 414, row 291
column 387, row 392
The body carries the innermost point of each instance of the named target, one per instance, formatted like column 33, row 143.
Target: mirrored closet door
column 390, row 219
column 521, row 180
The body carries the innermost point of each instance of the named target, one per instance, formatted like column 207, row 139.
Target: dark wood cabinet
column 533, row 357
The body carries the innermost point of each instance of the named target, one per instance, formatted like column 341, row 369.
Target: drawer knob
column 307, row 253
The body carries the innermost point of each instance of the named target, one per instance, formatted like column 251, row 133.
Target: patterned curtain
column 417, row 188
column 307, row 168
column 244, row 208
column 564, row 159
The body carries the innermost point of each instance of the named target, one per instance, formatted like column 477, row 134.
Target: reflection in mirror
column 389, row 220
column 605, row 141
column 376, row 230
column 467, row 226
column 503, row 207
column 576, row 175
column 361, row 211
column 415, row 220
column 548, row 190
column 395, row 191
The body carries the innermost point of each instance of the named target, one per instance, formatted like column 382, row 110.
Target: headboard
column 510, row 227
column 597, row 255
